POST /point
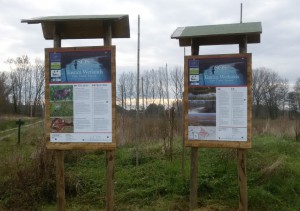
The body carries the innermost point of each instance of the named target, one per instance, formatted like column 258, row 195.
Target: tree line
column 161, row 86
column 22, row 90
column 272, row 96
column 22, row 87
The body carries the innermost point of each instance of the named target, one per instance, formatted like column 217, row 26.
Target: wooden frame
column 95, row 145
column 214, row 142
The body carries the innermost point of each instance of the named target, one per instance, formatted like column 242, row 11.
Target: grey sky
column 279, row 49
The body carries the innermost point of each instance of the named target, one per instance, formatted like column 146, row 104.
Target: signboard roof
column 218, row 34
column 82, row 26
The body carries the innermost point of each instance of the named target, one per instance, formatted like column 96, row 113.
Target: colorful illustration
column 217, row 98
column 61, row 92
column 59, row 125
column 80, row 66
column 218, row 71
column 80, row 94
column 59, row 109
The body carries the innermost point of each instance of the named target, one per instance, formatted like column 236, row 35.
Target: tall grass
column 27, row 176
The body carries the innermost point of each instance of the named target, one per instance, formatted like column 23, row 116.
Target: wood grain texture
column 194, row 179
column 110, row 177
column 242, row 179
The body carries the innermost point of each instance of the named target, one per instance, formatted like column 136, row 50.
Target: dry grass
column 281, row 127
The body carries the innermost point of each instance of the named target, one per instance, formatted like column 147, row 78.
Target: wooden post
column 59, row 154
column 183, row 147
column 110, row 154
column 110, row 173
column 241, row 155
column 194, row 156
column 194, row 179
column 19, row 123
column 242, row 180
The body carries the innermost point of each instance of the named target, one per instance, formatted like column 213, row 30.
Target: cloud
column 279, row 48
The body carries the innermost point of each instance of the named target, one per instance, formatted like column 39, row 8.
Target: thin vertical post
column 183, row 134
column 241, row 17
column 137, row 128
column 241, row 156
column 110, row 154
column 182, row 143
column 194, row 155
column 59, row 154
column 194, row 179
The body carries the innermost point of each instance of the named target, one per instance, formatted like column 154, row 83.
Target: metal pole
column 241, row 17
column 137, row 128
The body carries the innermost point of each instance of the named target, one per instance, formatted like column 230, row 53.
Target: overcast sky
column 279, row 49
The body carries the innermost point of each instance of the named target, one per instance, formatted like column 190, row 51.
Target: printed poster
column 217, row 98
column 80, row 95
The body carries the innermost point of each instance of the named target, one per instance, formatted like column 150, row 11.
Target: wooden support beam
column 194, row 155
column 194, row 179
column 59, row 154
column 110, row 174
column 110, row 154
column 242, row 180
column 241, row 155
column 194, row 47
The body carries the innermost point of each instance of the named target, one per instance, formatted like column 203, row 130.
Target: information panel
column 80, row 91
column 217, row 100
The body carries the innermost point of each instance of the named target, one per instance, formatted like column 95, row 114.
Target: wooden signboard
column 217, row 101
column 80, row 98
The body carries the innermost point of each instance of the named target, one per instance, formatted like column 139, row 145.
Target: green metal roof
column 82, row 26
column 218, row 34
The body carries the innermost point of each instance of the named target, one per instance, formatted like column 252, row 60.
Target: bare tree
column 153, row 84
column 39, row 85
column 160, row 85
column 283, row 90
column 297, row 91
column 146, row 87
column 121, row 94
column 19, row 68
column 26, row 84
column 273, row 84
column 4, row 92
column 177, row 84
column 166, row 85
column 131, row 79
column 259, row 76
column 122, row 90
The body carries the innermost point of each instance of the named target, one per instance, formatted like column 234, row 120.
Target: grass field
column 27, row 176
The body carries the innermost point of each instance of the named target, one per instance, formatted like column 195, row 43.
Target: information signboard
column 217, row 101
column 80, row 98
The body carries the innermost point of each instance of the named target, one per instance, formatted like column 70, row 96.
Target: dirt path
column 15, row 129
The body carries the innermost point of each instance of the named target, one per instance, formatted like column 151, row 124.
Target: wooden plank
column 110, row 154
column 194, row 150
column 110, row 174
column 242, row 180
column 218, row 144
column 79, row 146
column 59, row 155
column 194, row 179
column 60, row 180
column 241, row 153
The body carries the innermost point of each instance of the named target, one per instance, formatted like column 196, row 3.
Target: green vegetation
column 27, row 176
column 9, row 123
